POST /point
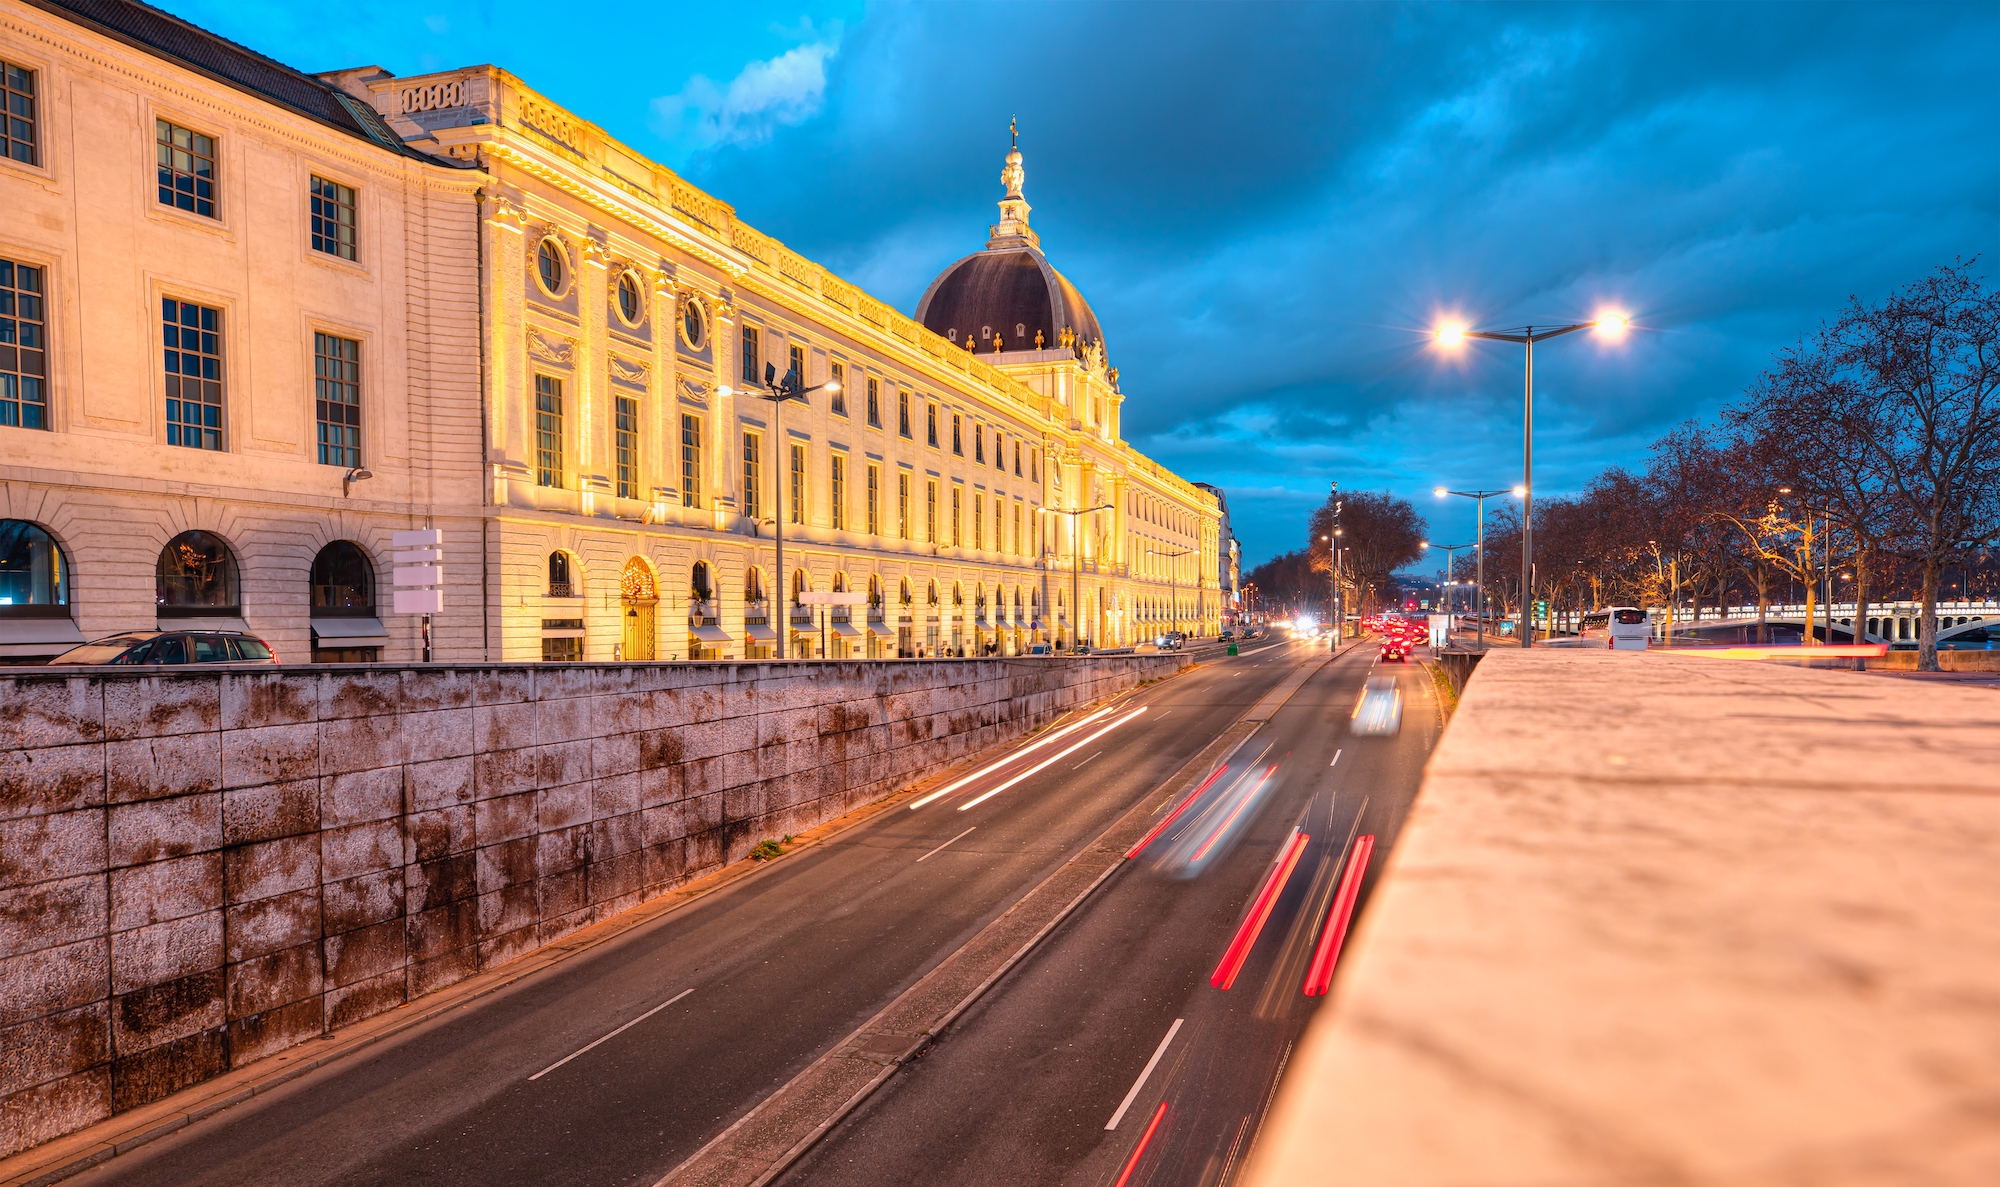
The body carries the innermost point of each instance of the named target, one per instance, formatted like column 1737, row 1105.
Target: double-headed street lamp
column 1480, row 497
column 1075, row 563
column 777, row 391
column 1450, row 551
column 1609, row 324
column 1173, row 607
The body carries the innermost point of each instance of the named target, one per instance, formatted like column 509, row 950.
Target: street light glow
column 1520, row 491
column 1440, row 492
column 1612, row 325
column 1450, row 334
column 831, row 386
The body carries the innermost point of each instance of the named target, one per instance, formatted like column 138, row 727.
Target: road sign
column 419, row 572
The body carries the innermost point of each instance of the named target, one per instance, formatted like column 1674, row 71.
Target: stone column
column 509, row 395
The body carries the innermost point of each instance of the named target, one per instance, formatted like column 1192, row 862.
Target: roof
column 1011, row 291
column 167, row 36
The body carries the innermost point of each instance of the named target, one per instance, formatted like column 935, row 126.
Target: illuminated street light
column 1480, row 497
column 777, row 391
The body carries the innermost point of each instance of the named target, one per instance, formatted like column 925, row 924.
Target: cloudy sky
column 1269, row 206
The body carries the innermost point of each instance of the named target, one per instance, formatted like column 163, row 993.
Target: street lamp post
column 1173, row 607
column 1450, row 552
column 1479, row 497
column 777, row 391
column 1452, row 335
column 1075, row 563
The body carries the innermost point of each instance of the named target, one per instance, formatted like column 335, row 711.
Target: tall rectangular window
column 751, row 375
column 186, row 166
column 625, row 446
column 999, row 452
column 1017, row 457
column 753, row 475
column 957, row 514
column 836, row 375
column 193, row 337
column 332, row 218
column 979, row 444
column 548, row 432
column 930, row 511
column 24, row 393
column 1034, row 467
column 903, row 412
column 690, row 460
column 958, row 434
column 1017, row 527
column 903, row 504
column 930, row 416
column 999, row 525
column 978, row 521
column 20, row 138
column 337, row 399
column 798, row 366
column 798, row 511
column 837, row 490
column 874, row 499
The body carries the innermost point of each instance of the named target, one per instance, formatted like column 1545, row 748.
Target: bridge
column 1960, row 624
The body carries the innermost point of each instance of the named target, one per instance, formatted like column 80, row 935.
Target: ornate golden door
column 640, row 601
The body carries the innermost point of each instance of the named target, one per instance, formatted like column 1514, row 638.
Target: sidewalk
column 1668, row 919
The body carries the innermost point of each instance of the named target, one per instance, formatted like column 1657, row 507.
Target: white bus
column 1622, row 628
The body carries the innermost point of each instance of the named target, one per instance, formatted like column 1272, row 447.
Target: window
column 690, row 460
column 957, row 515
column 753, row 475
column 958, row 434
column 999, row 525
column 836, row 375
column 631, row 300
column 337, row 399
column 837, row 490
column 1017, row 457
column 1034, row 467
column 749, row 352
column 874, row 500
column 24, row 395
column 930, row 512
column 187, row 167
column 978, row 520
column 567, row 650
column 18, row 138
column 930, row 416
column 979, row 444
column 903, row 412
column 874, row 402
column 798, row 484
column 34, row 579
column 694, row 323
column 625, row 445
column 193, row 337
column 551, row 267
column 1017, row 527
column 196, row 575
column 560, row 583
column 903, row 504
column 548, row 432
column 797, row 373
column 343, row 582
column 332, row 218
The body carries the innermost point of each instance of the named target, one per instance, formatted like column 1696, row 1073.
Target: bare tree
column 1380, row 534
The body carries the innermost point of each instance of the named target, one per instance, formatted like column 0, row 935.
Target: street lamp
column 1449, row 578
column 777, row 391
column 1173, row 606
column 1479, row 497
column 1075, row 562
column 1611, row 325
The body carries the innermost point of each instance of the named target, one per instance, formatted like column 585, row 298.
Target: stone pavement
column 1667, row 919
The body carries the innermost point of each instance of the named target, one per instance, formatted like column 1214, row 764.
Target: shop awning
column 881, row 629
column 760, row 633
column 27, row 638
column 710, row 634
column 847, row 630
column 351, row 632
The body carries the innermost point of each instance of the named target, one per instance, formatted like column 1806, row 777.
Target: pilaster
column 660, row 465
column 509, row 390
column 593, row 378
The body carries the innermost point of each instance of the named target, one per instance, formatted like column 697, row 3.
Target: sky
column 1270, row 207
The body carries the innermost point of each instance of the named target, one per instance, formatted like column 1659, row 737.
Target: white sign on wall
column 812, row 598
column 419, row 573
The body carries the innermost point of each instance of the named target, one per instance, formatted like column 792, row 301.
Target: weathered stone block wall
column 198, row 869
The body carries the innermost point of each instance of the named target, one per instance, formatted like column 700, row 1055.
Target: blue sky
column 1269, row 205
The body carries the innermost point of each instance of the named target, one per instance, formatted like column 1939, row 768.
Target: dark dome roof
column 1011, row 291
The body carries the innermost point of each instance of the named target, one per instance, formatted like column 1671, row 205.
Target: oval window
column 694, row 323
column 630, row 305
column 551, row 267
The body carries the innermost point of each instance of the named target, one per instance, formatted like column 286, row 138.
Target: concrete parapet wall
column 199, row 869
column 1661, row 918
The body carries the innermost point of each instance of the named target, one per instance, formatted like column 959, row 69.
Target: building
column 238, row 342
column 637, row 475
column 1228, row 558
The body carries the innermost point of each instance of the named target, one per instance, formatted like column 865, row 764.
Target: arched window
column 343, row 582
column 635, row 583
column 840, row 583
column 34, row 578
column 905, row 591
column 197, row 576
column 700, row 588
column 933, row 593
column 799, row 585
column 561, row 585
column 958, row 593
column 874, row 590
column 753, row 584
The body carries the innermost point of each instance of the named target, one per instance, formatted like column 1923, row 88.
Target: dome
column 1009, row 290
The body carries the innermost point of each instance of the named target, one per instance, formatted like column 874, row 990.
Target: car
column 1379, row 711
column 171, row 647
column 1395, row 649
column 1226, row 636
column 1039, row 649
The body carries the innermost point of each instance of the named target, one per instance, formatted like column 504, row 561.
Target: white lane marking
column 614, row 1034
column 975, row 801
column 1081, row 765
column 947, row 842
column 989, row 768
column 1336, row 759
column 1141, row 1081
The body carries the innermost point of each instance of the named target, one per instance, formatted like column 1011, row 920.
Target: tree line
column 1869, row 451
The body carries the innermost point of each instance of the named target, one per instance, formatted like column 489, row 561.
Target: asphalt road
column 762, row 978
column 1020, row 1089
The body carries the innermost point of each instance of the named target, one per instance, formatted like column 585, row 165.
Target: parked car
column 1038, row 649
column 172, row 647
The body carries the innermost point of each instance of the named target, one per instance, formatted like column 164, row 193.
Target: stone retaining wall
column 199, row 869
